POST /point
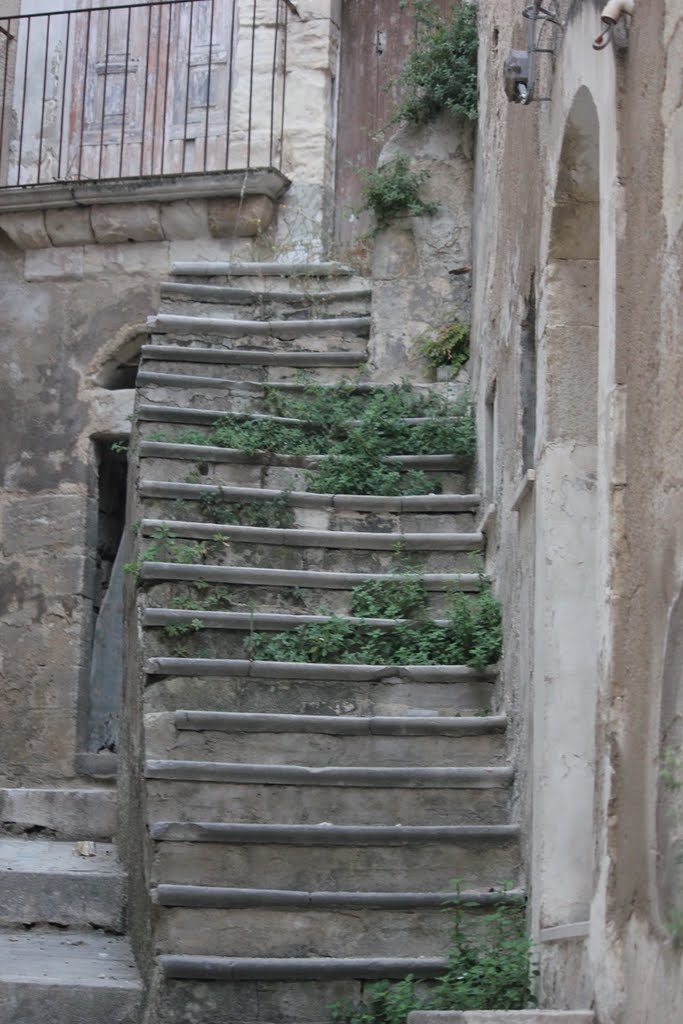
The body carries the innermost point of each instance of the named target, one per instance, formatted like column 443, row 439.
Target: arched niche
column 566, row 615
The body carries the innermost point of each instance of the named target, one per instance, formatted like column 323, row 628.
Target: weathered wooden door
column 376, row 38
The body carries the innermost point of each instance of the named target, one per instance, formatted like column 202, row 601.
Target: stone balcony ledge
column 222, row 205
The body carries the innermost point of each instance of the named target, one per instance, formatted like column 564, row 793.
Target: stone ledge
column 235, row 204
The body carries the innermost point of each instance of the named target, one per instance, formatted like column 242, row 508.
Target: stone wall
column 531, row 210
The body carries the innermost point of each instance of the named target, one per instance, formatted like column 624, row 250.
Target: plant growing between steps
column 275, row 513
column 490, row 970
column 471, row 635
column 356, row 430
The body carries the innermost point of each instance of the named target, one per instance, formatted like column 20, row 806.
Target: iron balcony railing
column 143, row 89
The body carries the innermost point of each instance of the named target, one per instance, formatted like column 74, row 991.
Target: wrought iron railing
column 141, row 90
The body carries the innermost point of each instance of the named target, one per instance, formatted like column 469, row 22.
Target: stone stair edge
column 354, row 502
column 323, row 579
column 326, row 834
column 290, row 968
column 165, row 322
column 301, row 775
column 153, row 617
column 249, row 357
column 281, row 670
column 413, row 725
column 220, row 897
column 266, row 268
column 180, row 414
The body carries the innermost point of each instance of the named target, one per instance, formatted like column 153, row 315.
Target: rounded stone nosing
column 301, row 537
column 216, row 968
column 218, row 897
column 302, row 775
column 257, row 269
column 337, row 725
column 251, row 356
column 240, row 621
column 288, row 670
column 324, row 834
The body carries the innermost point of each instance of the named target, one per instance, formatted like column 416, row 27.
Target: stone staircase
column 303, row 822
column 63, row 956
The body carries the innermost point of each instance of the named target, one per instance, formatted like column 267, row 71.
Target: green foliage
column 471, row 635
column 276, row 513
column 355, row 429
column 392, row 190
column 490, row 970
column 209, row 599
column 180, row 634
column 441, row 72
column 166, row 547
column 448, row 347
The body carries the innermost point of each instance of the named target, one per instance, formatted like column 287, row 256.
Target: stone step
column 267, row 687
column 228, row 327
column 189, row 298
column 170, row 381
column 354, row 931
column 253, row 356
column 297, row 795
column 337, row 858
column 216, row 897
column 218, row 968
column 324, row 740
column 501, row 1017
column 45, row 881
column 58, row 813
column 262, row 270
column 67, row 977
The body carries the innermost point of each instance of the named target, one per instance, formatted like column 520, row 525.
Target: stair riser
column 275, row 308
column 330, row 559
column 194, row 470
column 211, row 801
column 422, row 868
column 319, row 750
column 278, row 341
column 62, row 899
column 298, row 933
column 318, row 697
column 219, row 396
column 61, row 814
column 290, row 600
column 51, row 1003
column 322, row 519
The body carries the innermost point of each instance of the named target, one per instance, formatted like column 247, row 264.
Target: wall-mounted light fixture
column 520, row 66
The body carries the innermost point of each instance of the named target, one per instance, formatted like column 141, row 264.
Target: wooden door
column 376, row 38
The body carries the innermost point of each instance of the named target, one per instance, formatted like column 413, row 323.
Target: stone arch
column 670, row 784
column 566, row 598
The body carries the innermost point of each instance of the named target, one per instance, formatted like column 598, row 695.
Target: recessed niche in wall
column 120, row 370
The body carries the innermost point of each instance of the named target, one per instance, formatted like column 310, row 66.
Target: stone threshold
column 163, row 208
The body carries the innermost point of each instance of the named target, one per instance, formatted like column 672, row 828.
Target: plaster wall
column 637, row 465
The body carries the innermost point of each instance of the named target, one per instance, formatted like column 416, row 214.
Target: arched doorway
column 566, row 599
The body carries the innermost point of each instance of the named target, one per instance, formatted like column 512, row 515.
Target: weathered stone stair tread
column 309, row 499
column 354, row 539
column 325, row 834
column 47, row 881
column 221, row 897
column 303, row 775
column 315, row 670
column 211, row 453
column 249, row 356
column 66, row 813
column 74, row 977
column 319, row 579
column 217, row 968
column 227, row 294
column 269, row 621
column 164, row 323
column 338, row 725
column 210, row 268
column 207, row 417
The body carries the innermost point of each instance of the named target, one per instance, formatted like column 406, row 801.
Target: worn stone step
column 229, row 466
column 324, row 740
column 251, row 295
column 253, row 356
column 265, row 272
column 58, row 813
column 290, row 968
column 228, row 327
column 49, row 881
column 222, row 898
column 378, row 859
column 67, row 977
column 322, row 932
column 501, row 1017
column 213, row 386
column 287, row 687
column 188, row 298
column 285, row 793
